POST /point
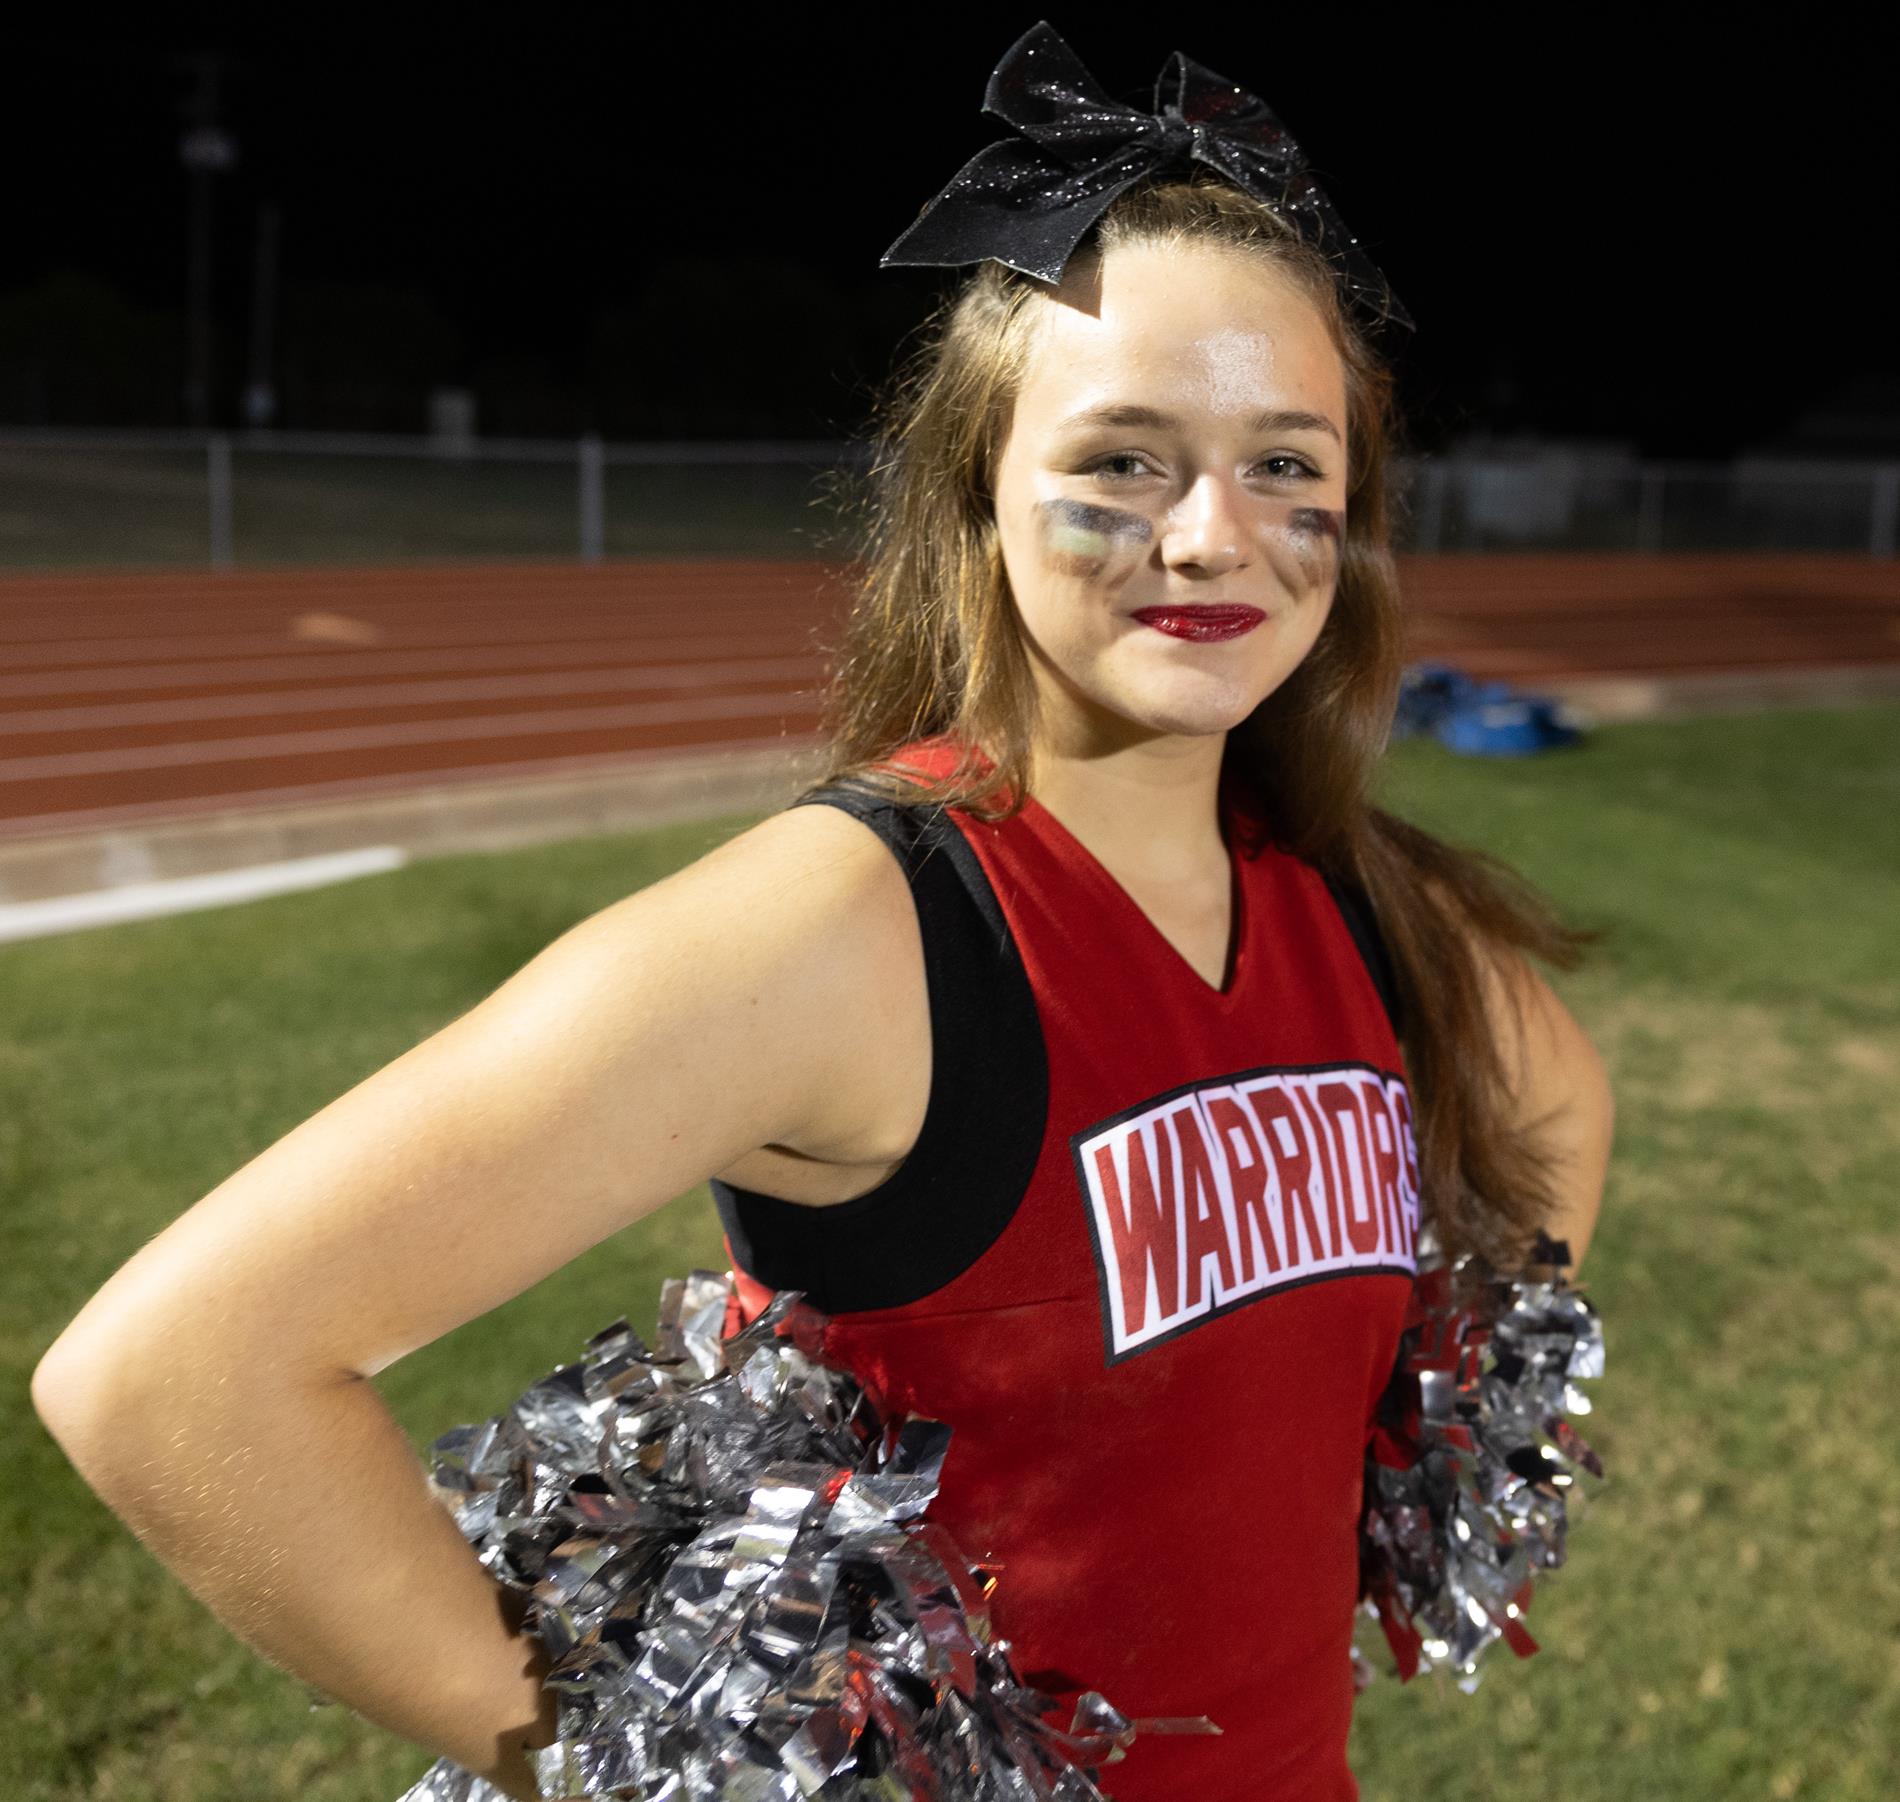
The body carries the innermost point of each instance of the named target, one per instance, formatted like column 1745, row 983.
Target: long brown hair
column 932, row 646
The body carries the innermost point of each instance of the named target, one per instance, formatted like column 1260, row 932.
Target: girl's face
column 1178, row 444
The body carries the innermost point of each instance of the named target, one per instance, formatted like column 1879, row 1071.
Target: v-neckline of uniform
column 1237, row 924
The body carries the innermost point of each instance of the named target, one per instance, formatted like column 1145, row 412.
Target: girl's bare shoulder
column 800, row 933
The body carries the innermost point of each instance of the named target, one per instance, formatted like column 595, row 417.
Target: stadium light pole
column 593, row 484
column 206, row 149
column 260, row 396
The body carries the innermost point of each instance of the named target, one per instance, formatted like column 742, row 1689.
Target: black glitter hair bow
column 1027, row 200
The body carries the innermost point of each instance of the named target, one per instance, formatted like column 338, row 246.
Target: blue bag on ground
column 1479, row 719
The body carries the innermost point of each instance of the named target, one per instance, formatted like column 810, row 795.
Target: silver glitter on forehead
column 1027, row 201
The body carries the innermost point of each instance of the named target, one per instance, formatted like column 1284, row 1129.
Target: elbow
column 1603, row 1114
column 77, row 1391
column 1590, row 1168
column 60, row 1388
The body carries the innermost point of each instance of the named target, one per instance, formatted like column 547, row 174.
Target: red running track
column 134, row 697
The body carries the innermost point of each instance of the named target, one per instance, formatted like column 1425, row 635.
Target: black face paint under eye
column 1083, row 537
column 1319, row 521
column 1316, row 536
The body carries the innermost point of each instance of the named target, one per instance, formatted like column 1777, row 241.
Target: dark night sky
column 1602, row 228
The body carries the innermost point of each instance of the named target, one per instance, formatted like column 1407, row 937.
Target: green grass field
column 1728, row 1625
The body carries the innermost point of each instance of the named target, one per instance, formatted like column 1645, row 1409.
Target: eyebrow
column 1273, row 420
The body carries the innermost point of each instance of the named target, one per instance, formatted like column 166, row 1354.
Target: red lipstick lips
column 1203, row 624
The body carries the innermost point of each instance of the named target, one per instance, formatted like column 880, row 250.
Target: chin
column 1200, row 705
column 1199, row 717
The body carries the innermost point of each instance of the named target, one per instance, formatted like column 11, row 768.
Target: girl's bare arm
column 1559, row 1080
column 213, row 1391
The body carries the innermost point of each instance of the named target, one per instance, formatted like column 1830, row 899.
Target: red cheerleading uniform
column 1148, row 1260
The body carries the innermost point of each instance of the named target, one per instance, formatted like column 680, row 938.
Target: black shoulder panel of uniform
column 1355, row 908
column 951, row 1198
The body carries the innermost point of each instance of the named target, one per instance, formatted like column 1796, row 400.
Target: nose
column 1205, row 529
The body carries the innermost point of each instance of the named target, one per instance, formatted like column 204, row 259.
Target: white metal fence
column 1554, row 503
column 78, row 499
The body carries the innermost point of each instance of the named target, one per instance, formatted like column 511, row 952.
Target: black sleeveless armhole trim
column 1355, row 909
column 951, row 1198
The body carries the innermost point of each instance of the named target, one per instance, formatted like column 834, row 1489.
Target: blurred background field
column 105, row 505
column 1727, row 1624
column 327, row 381
column 72, row 500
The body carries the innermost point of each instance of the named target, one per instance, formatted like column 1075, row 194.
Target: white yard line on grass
column 186, row 894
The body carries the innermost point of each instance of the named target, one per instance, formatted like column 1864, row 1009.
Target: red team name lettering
column 1215, row 1196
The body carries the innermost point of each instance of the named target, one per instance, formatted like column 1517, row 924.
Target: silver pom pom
column 728, row 1560
column 1473, row 1461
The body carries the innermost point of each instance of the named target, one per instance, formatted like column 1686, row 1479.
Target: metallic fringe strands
column 729, row 1561
column 1472, row 1462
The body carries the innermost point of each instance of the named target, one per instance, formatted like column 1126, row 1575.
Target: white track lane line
column 381, row 786
column 197, row 673
column 599, row 679
column 188, row 894
column 503, row 638
column 547, row 722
